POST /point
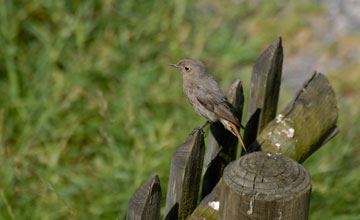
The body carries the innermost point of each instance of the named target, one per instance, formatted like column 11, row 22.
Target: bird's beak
column 175, row 65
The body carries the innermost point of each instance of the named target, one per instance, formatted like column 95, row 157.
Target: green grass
column 89, row 108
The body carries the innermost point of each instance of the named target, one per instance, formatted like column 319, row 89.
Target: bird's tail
column 233, row 129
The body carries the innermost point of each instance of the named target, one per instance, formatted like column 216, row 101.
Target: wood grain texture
column 264, row 90
column 184, row 180
column 222, row 145
column 264, row 185
column 146, row 202
column 306, row 123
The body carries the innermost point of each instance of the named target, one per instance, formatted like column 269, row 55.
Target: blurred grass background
column 89, row 107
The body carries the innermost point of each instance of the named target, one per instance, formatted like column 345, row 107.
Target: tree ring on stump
column 265, row 184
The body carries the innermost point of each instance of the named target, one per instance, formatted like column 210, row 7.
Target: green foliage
column 334, row 174
column 89, row 107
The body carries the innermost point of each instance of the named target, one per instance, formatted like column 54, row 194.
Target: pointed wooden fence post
column 184, row 180
column 146, row 202
column 264, row 90
column 222, row 145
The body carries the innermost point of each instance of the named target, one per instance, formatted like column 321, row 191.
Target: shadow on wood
column 146, row 202
column 184, row 180
column 173, row 213
column 251, row 128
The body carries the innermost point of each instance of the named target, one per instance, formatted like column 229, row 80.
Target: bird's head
column 190, row 67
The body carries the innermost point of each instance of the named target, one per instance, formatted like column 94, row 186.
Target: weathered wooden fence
column 266, row 183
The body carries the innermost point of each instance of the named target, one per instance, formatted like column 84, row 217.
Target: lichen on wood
column 306, row 123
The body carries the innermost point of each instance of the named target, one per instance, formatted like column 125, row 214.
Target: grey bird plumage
column 206, row 96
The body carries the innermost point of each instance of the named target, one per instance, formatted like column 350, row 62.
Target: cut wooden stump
column 265, row 185
column 222, row 145
column 260, row 185
column 146, row 202
column 184, row 180
column 306, row 123
column 264, row 90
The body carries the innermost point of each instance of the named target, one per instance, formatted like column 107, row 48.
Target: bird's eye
column 187, row 68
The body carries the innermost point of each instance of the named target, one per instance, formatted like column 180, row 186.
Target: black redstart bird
column 206, row 96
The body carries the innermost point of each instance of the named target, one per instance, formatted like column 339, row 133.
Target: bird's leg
column 201, row 128
column 204, row 125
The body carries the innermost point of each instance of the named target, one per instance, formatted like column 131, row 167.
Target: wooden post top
column 269, row 175
column 265, row 185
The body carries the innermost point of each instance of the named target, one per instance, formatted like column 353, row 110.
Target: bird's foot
column 200, row 128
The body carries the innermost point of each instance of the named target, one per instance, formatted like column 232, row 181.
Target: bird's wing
column 221, row 109
column 213, row 99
